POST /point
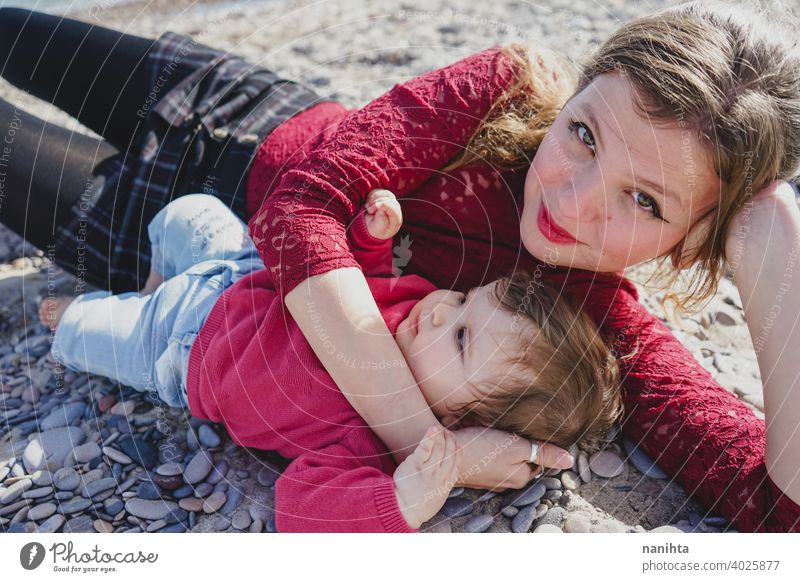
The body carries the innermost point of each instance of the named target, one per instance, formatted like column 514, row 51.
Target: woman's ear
column 684, row 253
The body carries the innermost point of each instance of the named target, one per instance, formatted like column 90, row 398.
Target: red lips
column 551, row 230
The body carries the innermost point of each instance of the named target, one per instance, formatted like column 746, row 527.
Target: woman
column 590, row 200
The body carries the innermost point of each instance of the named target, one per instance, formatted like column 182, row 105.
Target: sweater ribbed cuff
column 360, row 235
column 388, row 509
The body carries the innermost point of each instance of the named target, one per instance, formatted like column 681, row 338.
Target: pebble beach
column 79, row 453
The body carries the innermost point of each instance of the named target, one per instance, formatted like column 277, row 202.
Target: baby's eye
column 460, row 338
column 463, row 298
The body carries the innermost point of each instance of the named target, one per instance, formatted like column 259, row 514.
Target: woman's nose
column 582, row 201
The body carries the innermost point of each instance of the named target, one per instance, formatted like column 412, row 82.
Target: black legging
column 93, row 73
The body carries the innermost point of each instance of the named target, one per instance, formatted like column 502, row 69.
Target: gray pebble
column 256, row 527
column 235, row 495
column 523, row 520
column 455, row 492
column 487, row 496
column 86, row 452
column 64, row 415
column 553, row 495
column 48, row 449
column 198, row 468
column 267, row 475
column 529, row 495
column 42, row 511
column 150, row 509
column 551, row 483
column 95, row 487
column 606, row 464
column 207, row 437
column 221, row 523
column 570, row 480
column 62, row 495
column 178, row 527
column 478, row 523
column 148, row 490
column 80, row 524
column 42, row 478
column 14, row 491
column 510, row 511
column 52, row 524
column 113, row 506
column 643, row 463
column 75, row 505
column 66, row 479
column 183, row 491
column 203, row 489
column 547, row 528
column 218, row 472
column 169, row 469
column 456, row 507
column 241, row 519
column 37, row 493
column 117, row 455
column 214, row 502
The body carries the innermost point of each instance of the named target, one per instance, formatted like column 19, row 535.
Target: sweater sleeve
column 697, row 431
column 344, row 487
column 374, row 255
column 396, row 142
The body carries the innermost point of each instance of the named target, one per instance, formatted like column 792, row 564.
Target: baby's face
column 452, row 341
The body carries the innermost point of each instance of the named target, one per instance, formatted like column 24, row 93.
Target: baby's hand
column 423, row 481
column 384, row 216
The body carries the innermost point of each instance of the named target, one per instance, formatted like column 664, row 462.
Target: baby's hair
column 561, row 382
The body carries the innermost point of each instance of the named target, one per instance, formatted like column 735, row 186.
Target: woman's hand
column 497, row 460
column 384, row 216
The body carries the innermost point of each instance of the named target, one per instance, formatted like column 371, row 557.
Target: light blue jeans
column 201, row 248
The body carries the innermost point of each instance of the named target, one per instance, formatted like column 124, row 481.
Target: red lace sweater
column 341, row 477
column 461, row 229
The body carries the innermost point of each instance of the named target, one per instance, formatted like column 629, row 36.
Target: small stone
column 49, row 449
column 203, row 489
column 63, row 415
column 577, row 523
column 52, row 524
column 150, row 509
column 102, row 526
column 207, row 437
column 551, row 483
column 724, row 318
column 583, row 468
column 553, row 495
column 606, row 464
column 191, row 504
column 455, row 492
column 66, row 479
column 213, row 502
column 79, row 524
column 643, row 463
column 218, row 472
column 86, row 452
column 169, row 469
column 106, row 402
column 156, row 525
column 241, row 519
column 117, row 455
column 14, row 491
column 113, row 505
column 547, row 528
column 75, row 505
column 259, row 511
column 267, row 476
column 140, row 451
column 221, row 523
column 42, row 511
column 529, row 495
column 148, row 490
column 169, row 482
column 510, row 511
column 570, row 480
column 197, row 469
column 183, row 491
column 124, row 408
column 716, row 521
column 524, row 519
column 37, row 493
column 256, row 527
column 94, row 488
column 478, row 523
column 42, row 478
column 456, row 507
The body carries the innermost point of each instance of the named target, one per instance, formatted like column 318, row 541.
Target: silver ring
column 534, row 452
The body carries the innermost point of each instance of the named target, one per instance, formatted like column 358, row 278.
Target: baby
column 210, row 332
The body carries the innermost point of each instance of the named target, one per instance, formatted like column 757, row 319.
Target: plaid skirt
column 203, row 120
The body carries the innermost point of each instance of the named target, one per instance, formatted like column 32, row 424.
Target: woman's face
column 609, row 189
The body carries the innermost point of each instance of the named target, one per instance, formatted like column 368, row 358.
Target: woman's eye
column 646, row 202
column 460, row 338
column 585, row 136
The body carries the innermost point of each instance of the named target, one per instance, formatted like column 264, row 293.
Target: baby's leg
column 192, row 229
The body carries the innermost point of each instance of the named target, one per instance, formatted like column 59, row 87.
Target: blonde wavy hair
column 729, row 74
